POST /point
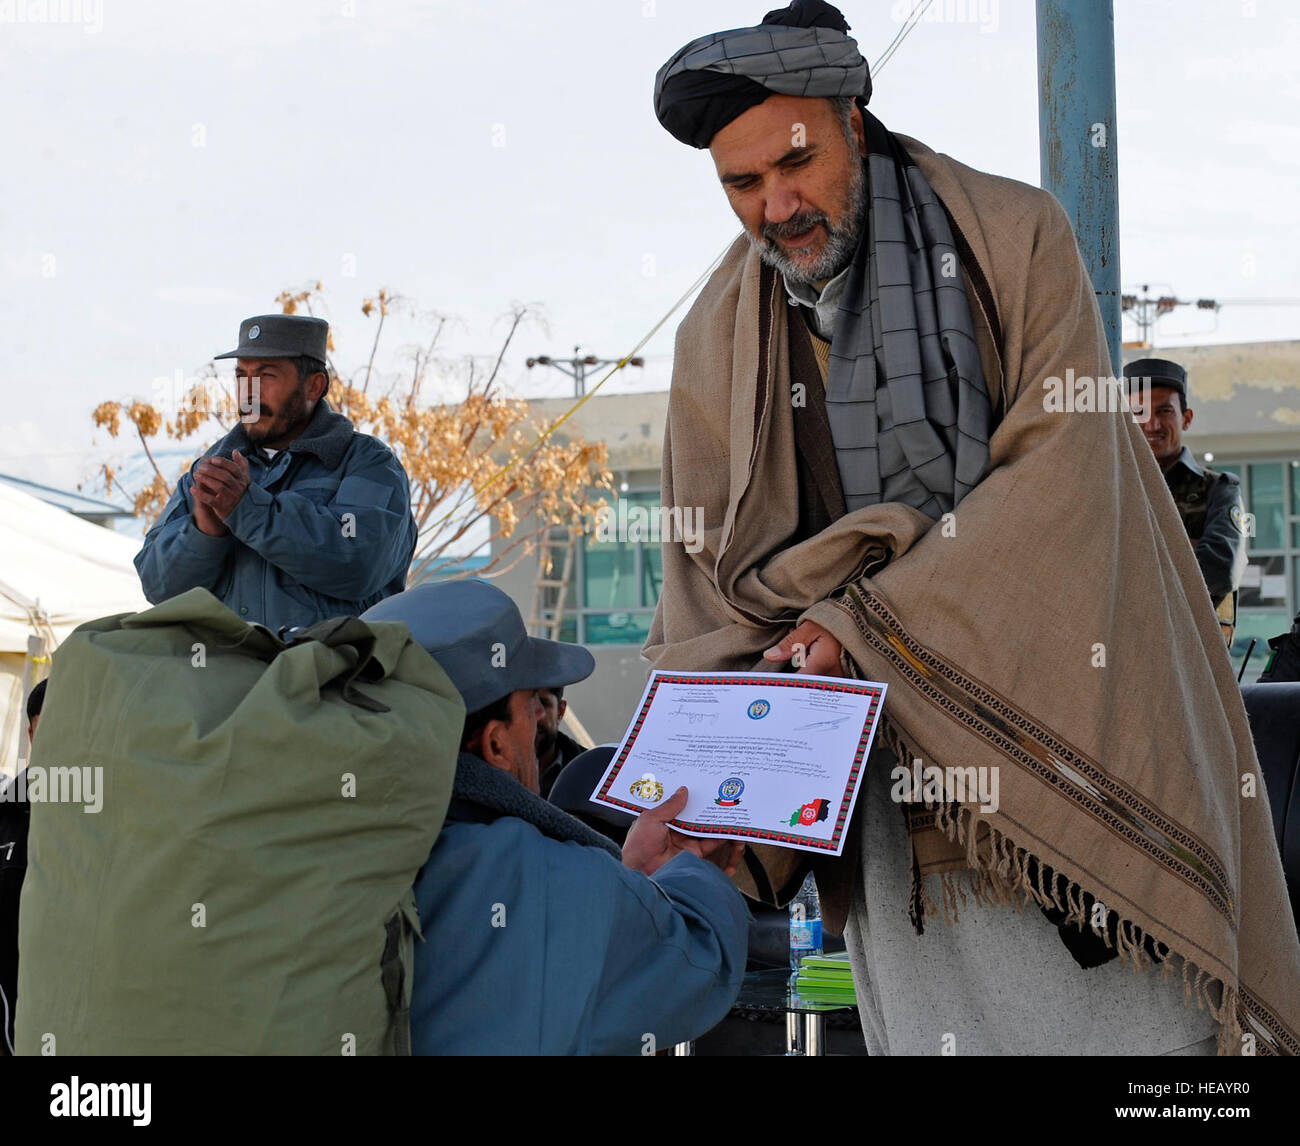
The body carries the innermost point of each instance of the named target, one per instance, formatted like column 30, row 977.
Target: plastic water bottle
column 805, row 923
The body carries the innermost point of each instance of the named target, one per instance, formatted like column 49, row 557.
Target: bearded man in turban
column 859, row 410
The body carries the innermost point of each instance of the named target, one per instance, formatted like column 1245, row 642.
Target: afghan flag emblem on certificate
column 811, row 814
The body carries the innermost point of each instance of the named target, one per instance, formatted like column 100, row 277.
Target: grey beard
column 841, row 242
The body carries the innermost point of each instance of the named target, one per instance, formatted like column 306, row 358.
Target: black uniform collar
column 1187, row 460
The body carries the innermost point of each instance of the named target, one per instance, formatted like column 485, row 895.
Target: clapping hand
column 219, row 483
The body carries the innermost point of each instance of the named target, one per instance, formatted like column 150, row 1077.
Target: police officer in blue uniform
column 295, row 515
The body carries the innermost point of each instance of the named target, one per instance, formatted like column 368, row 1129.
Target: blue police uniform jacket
column 324, row 529
column 537, row 940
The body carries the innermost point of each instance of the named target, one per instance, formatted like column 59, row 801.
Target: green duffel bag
column 224, row 863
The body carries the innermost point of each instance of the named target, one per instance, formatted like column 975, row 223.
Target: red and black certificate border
column 870, row 689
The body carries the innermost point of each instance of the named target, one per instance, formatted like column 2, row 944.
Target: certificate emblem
column 647, row 788
column 729, row 790
column 758, row 709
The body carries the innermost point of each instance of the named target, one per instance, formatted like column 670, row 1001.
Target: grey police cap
column 281, row 336
column 1159, row 372
column 475, row 632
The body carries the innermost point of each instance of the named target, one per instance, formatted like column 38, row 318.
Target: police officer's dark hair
column 35, row 702
column 556, row 691
column 307, row 366
column 475, row 722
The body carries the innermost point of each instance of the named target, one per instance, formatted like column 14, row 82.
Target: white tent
column 56, row 572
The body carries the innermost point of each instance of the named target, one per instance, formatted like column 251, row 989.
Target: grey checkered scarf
column 905, row 391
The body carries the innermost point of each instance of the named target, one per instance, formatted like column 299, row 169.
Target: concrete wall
column 1244, row 397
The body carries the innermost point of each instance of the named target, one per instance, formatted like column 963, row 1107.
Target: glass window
column 609, row 576
column 622, row 574
column 1266, row 504
column 1263, row 585
column 1270, row 588
column 617, row 628
column 652, row 573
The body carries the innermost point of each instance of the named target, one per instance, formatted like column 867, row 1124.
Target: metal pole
column 576, row 367
column 814, row 1034
column 1078, row 156
column 793, row 1033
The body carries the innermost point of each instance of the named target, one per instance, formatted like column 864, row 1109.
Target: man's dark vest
column 821, row 496
column 1191, row 493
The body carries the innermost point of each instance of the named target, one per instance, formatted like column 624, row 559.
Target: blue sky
column 173, row 166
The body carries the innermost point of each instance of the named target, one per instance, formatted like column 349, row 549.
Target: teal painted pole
column 1077, row 145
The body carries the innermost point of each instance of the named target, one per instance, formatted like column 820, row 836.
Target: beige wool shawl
column 1055, row 627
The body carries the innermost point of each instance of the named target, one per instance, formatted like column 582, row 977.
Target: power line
column 902, row 28
column 1145, row 309
column 913, row 18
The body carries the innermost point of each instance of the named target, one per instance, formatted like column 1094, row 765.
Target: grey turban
column 801, row 50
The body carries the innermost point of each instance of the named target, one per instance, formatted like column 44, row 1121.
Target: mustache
column 795, row 225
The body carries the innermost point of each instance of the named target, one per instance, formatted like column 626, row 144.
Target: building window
column 1270, row 588
column 1265, row 501
column 619, row 578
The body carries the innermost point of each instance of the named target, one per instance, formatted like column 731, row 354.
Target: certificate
column 770, row 758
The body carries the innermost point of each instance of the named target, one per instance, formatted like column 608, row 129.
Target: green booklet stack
column 826, row 979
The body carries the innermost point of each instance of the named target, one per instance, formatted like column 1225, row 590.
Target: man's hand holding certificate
column 652, row 843
column 769, row 758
